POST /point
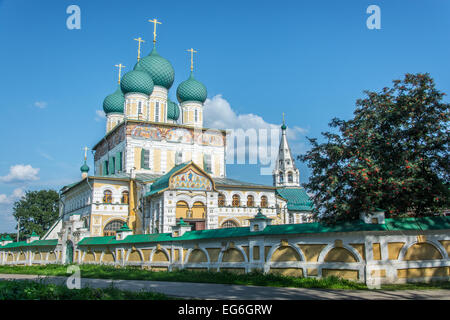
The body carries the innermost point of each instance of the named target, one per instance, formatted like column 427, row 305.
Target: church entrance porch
column 195, row 216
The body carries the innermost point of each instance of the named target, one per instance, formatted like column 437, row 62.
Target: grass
column 223, row 277
column 32, row 290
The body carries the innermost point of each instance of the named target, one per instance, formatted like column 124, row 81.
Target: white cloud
column 16, row 194
column 99, row 115
column 218, row 113
column 21, row 173
column 40, row 104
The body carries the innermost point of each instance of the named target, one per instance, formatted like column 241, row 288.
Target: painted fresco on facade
column 191, row 180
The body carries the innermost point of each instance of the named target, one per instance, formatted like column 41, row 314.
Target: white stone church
column 157, row 164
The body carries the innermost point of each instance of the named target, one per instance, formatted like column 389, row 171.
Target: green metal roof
column 297, row 199
column 401, row 224
column 36, row 243
column 114, row 103
column 163, row 182
column 160, row 69
column 233, row 182
column 191, row 90
column 137, row 82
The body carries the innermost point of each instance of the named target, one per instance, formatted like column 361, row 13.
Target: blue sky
column 310, row 59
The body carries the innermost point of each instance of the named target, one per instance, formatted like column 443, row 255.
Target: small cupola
column 5, row 240
column 259, row 222
column 123, row 232
column 180, row 228
column 32, row 237
column 376, row 217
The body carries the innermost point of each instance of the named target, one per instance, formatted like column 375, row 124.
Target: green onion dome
column 114, row 102
column 191, row 90
column 158, row 68
column 173, row 110
column 137, row 81
column 283, row 127
column 84, row 167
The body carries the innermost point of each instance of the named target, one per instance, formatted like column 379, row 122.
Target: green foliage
column 392, row 155
column 37, row 211
column 256, row 278
column 31, row 290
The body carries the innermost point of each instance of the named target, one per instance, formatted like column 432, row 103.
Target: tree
column 37, row 211
column 392, row 155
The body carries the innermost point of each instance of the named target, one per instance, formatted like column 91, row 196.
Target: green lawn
column 254, row 278
column 32, row 290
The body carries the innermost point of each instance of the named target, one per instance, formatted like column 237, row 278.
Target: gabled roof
column 163, row 182
column 297, row 199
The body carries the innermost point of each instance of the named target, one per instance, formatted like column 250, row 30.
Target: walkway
column 240, row 292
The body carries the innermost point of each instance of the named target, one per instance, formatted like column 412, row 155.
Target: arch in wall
column 160, row 255
column 290, row 177
column 37, row 256
column 89, row 256
column 285, row 254
column 331, row 246
column 339, row 254
column 221, row 200
column 107, row 256
column 197, row 256
column 182, row 209
column 107, row 196
column 233, row 255
column 198, row 210
column 229, row 223
column 236, row 200
column 421, row 251
column 264, row 203
column 250, row 200
column 135, row 256
column 112, row 226
column 275, row 248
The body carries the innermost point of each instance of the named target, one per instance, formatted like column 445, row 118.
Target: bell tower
column 285, row 173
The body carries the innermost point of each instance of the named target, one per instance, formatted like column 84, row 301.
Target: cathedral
column 157, row 166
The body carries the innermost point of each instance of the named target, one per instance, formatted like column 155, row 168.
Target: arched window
column 250, row 201
column 221, row 200
column 263, row 202
column 139, row 108
column 236, row 201
column 281, row 177
column 107, row 196
column 290, row 178
column 111, row 228
column 157, row 111
column 182, row 210
column 229, row 224
column 125, row 197
column 198, row 210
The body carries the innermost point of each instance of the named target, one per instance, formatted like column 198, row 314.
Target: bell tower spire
column 285, row 173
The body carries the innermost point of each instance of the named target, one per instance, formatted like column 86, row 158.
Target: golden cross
column 139, row 47
column 192, row 51
column 85, row 153
column 155, row 22
column 283, row 117
column 120, row 66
